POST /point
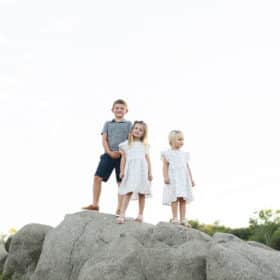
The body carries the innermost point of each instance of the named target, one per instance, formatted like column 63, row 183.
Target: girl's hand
column 121, row 174
column 150, row 177
column 166, row 181
column 193, row 183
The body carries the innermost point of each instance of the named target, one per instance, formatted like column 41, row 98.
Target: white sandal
column 139, row 219
column 120, row 220
column 185, row 223
column 174, row 221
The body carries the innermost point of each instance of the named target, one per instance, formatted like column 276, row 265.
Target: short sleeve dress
column 136, row 170
column 179, row 177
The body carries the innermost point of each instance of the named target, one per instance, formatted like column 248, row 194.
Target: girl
column 177, row 178
column 135, row 170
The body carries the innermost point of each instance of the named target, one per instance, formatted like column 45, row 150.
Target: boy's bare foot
column 91, row 207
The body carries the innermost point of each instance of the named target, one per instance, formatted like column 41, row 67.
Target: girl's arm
column 122, row 165
column 150, row 177
column 165, row 171
column 189, row 170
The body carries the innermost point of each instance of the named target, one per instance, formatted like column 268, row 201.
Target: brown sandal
column 91, row 207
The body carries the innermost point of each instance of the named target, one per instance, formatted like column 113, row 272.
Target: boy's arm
column 122, row 165
column 107, row 148
column 150, row 177
column 189, row 169
column 165, row 171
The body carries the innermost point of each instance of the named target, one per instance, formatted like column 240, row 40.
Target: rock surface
column 3, row 255
column 90, row 245
column 24, row 252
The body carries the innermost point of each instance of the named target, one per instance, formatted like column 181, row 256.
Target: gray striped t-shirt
column 117, row 132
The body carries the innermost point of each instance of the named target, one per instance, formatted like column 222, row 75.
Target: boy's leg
column 97, row 182
column 103, row 172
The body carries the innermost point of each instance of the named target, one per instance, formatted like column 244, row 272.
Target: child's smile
column 138, row 131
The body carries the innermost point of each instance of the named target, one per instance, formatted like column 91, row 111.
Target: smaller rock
column 3, row 256
column 24, row 251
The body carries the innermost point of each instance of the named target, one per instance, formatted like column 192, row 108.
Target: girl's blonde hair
column 174, row 135
column 144, row 138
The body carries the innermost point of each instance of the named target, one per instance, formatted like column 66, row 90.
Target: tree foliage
column 264, row 227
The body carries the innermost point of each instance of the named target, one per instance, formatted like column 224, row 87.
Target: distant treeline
column 264, row 227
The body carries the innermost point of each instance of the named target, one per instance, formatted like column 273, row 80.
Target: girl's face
column 138, row 131
column 178, row 143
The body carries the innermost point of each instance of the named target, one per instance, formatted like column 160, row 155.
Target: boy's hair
column 173, row 135
column 119, row 101
column 144, row 138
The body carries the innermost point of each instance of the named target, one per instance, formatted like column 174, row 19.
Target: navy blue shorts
column 106, row 166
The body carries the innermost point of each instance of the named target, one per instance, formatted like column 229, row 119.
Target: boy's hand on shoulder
column 114, row 155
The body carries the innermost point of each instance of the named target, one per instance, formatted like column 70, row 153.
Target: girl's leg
column 141, row 203
column 125, row 201
column 120, row 198
column 174, row 208
column 182, row 207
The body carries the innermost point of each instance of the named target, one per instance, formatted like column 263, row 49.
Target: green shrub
column 275, row 240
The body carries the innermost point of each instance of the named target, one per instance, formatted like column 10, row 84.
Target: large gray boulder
column 90, row 246
column 24, row 252
column 230, row 258
column 77, row 239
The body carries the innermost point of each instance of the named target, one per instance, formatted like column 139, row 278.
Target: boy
column 114, row 132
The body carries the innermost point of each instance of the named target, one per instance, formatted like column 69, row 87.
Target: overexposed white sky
column 209, row 68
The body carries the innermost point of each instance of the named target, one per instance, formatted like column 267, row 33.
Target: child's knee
column 98, row 179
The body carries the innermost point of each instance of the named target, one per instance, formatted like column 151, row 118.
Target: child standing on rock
column 114, row 132
column 178, row 180
column 135, row 170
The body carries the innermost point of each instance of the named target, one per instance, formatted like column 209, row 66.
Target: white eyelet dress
column 179, row 177
column 136, row 170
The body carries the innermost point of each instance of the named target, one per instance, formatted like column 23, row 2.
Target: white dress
column 136, row 170
column 179, row 177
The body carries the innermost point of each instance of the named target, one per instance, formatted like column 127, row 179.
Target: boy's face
column 119, row 110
